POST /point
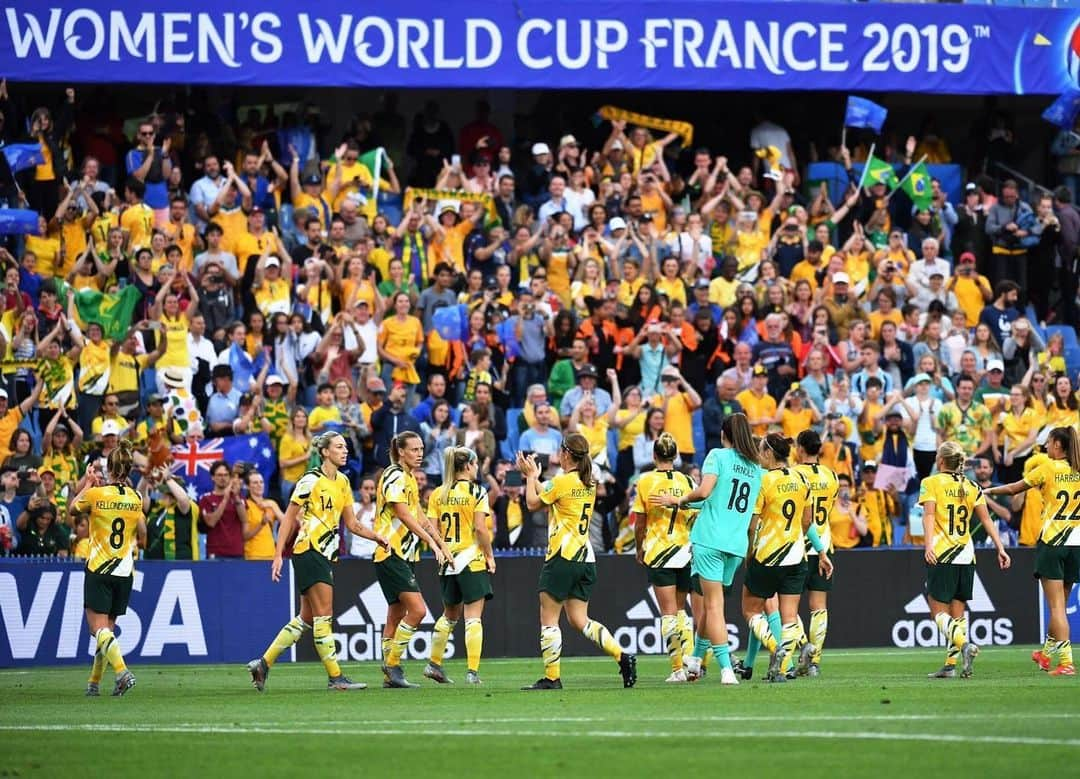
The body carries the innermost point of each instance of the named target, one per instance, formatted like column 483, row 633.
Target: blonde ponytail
column 455, row 458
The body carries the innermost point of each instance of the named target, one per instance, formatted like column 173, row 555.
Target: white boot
column 727, row 676
column 693, row 667
column 677, row 676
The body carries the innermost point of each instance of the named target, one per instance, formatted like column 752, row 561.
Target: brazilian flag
column 879, row 172
column 917, row 186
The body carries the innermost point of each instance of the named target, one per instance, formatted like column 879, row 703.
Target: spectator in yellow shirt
column 846, row 522
column 262, row 515
column 325, row 411
column 679, row 401
column 971, row 288
column 759, row 405
column 137, row 218
column 796, row 412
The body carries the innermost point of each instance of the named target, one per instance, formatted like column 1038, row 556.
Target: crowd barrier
column 227, row 611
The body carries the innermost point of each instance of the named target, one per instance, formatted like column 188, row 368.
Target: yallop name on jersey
column 981, row 630
column 363, row 625
column 175, row 620
column 646, row 639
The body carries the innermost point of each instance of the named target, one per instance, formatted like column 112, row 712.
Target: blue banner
column 864, row 113
column 21, row 156
column 696, row 44
column 204, row 612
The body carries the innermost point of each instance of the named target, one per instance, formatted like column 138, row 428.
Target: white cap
column 273, row 262
column 617, row 223
column 995, row 365
column 566, row 140
column 616, row 145
column 840, row 278
column 274, row 378
column 110, row 427
column 540, row 148
column 3, row 394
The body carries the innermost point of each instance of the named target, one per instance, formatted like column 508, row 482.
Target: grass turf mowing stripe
column 486, row 733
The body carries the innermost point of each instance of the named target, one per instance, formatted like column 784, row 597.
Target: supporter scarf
column 435, row 195
column 684, row 130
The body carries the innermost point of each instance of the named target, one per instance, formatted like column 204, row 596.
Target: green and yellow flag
column 112, row 312
column 917, row 186
column 879, row 172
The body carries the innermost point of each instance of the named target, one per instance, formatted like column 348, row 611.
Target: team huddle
column 763, row 502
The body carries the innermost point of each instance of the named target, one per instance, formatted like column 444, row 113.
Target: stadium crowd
column 518, row 293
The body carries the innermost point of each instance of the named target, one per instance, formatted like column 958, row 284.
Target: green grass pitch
column 871, row 713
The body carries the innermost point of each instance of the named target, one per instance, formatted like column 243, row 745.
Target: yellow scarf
column 684, row 130
column 435, row 195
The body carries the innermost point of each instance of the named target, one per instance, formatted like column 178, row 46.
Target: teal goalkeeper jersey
column 725, row 514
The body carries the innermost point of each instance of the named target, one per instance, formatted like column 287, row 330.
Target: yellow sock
column 759, row 624
column 800, row 635
column 819, row 626
column 386, row 644
column 97, row 668
column 551, row 650
column 951, row 629
column 669, row 631
column 325, row 646
column 1048, row 645
column 443, row 630
column 1063, row 650
column 602, row 637
column 708, row 656
column 474, row 643
column 402, row 636
column 789, row 638
column 285, row 638
column 686, row 631
column 109, row 648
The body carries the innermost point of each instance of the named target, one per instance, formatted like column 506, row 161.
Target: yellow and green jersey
column 321, row 500
column 568, row 521
column 954, row 497
column 824, row 487
column 397, row 486
column 1060, row 488
column 454, row 513
column 783, row 498
column 667, row 530
column 115, row 513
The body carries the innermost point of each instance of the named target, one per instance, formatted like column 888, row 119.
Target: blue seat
column 509, row 447
column 1067, row 333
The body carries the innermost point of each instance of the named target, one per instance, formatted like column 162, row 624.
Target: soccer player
column 320, row 501
column 1057, row 555
column 662, row 540
column 569, row 571
column 460, row 509
column 117, row 517
column 782, row 515
column 398, row 517
column 718, row 537
column 824, row 487
column 951, row 502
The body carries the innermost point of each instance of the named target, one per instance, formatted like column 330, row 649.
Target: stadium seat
column 1068, row 333
column 508, row 448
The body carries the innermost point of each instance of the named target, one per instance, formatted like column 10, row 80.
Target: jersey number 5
column 586, row 515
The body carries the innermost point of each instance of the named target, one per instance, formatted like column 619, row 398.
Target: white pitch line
column 795, row 734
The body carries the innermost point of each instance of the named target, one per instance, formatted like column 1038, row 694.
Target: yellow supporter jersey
column 1014, row 429
column 568, row 521
column 260, row 546
column 843, row 521
column 1060, row 486
column 321, row 500
column 1031, row 517
column 138, row 222
column 763, row 407
column 455, row 516
column 396, row 486
column 667, row 530
column 954, row 497
column 824, row 487
column 115, row 514
column 176, row 344
column 780, row 505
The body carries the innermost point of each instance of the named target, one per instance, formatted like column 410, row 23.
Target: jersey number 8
column 116, row 537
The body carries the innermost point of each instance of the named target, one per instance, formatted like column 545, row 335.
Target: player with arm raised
column 320, row 501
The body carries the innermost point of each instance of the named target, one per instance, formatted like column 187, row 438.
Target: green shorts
column 715, row 565
column 562, row 579
column 311, row 568
column 395, row 576
column 679, row 578
column 1061, row 563
column 764, row 581
column 466, row 587
column 946, row 583
column 104, row 594
column 814, row 580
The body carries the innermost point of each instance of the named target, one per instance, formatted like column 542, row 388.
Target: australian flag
column 864, row 113
column 192, row 459
column 21, row 156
